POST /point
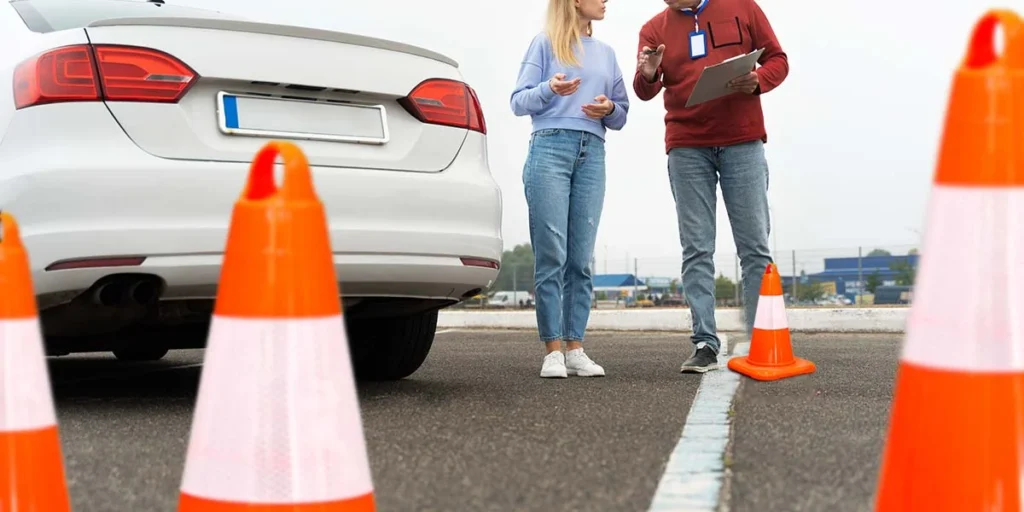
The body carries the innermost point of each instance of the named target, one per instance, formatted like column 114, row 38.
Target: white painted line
column 695, row 472
column 446, row 331
column 742, row 349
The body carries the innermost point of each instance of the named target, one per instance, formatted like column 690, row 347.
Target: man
column 718, row 141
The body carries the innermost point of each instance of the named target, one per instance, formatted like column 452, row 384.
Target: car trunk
column 336, row 94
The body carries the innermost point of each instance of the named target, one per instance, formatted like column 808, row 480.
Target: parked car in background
column 892, row 295
column 511, row 299
column 126, row 131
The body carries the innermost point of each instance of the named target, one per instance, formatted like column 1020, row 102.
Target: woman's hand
column 602, row 108
column 563, row 87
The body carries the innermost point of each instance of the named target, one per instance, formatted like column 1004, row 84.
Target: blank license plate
column 258, row 116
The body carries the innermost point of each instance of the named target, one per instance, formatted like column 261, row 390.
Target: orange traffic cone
column 771, row 352
column 956, row 433
column 31, row 463
column 277, row 425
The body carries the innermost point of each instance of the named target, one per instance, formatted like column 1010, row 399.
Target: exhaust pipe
column 143, row 292
column 121, row 291
column 109, row 294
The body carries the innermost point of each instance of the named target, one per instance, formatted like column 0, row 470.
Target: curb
column 809, row 320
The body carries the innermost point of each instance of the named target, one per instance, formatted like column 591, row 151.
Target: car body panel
column 78, row 203
column 306, row 33
column 329, row 74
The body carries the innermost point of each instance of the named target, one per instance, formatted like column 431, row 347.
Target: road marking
column 445, row 331
column 695, row 472
column 742, row 349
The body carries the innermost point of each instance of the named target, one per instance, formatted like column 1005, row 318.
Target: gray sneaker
column 703, row 360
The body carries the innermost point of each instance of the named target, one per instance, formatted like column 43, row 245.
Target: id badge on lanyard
column 698, row 38
column 698, row 41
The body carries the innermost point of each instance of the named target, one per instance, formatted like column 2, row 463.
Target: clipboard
column 712, row 82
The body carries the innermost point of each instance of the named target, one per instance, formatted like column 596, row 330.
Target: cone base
column 32, row 471
column 744, row 366
column 189, row 503
column 954, row 442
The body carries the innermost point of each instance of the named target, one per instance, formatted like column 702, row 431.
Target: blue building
column 846, row 274
column 614, row 284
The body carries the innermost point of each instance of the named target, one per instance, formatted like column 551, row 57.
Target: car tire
column 141, row 353
column 391, row 348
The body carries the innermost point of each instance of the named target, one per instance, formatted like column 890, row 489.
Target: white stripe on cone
column 968, row 311
column 771, row 313
column 26, row 402
column 277, row 419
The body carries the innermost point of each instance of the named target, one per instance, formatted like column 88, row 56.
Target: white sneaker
column 578, row 363
column 554, row 366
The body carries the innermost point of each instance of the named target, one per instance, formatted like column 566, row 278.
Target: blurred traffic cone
column 277, row 425
column 31, row 462
column 771, row 352
column 956, row 433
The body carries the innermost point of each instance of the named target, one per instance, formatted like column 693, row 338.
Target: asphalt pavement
column 814, row 442
column 476, row 428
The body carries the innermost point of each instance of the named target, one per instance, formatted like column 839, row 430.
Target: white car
column 126, row 132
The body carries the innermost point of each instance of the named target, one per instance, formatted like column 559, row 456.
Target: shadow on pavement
column 106, row 377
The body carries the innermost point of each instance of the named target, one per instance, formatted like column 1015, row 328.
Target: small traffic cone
column 31, row 462
column 277, row 425
column 771, row 352
column 956, row 432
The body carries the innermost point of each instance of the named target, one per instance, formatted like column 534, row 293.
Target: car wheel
column 391, row 348
column 141, row 353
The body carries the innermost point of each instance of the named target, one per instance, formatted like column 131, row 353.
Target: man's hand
column 648, row 61
column 603, row 107
column 746, row 84
column 561, row 86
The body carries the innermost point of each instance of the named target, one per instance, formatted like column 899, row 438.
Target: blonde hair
column 563, row 29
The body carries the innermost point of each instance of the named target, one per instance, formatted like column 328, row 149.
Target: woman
column 572, row 87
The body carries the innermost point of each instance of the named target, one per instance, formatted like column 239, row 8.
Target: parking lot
column 477, row 429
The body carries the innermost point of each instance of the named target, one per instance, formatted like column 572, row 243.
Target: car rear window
column 53, row 15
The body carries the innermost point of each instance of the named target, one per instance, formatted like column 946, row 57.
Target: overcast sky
column 852, row 132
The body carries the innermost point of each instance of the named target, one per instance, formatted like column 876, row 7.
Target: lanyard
column 696, row 13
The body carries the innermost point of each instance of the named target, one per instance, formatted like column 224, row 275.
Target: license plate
column 260, row 116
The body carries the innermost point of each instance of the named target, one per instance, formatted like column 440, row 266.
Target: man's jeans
column 743, row 172
column 564, row 178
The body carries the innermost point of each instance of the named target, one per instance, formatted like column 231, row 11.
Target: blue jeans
column 564, row 179
column 694, row 174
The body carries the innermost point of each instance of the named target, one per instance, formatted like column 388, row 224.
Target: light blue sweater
column 599, row 73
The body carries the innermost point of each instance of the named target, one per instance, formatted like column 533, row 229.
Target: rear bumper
column 94, row 194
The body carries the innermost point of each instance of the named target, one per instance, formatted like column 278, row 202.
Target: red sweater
column 732, row 27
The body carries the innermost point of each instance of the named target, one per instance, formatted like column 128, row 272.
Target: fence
column 826, row 275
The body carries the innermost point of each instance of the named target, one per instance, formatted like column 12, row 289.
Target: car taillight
column 101, row 72
column 141, row 74
column 64, row 74
column 479, row 112
column 446, row 102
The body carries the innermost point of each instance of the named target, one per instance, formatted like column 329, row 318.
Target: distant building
column 850, row 275
column 618, row 285
column 660, row 285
